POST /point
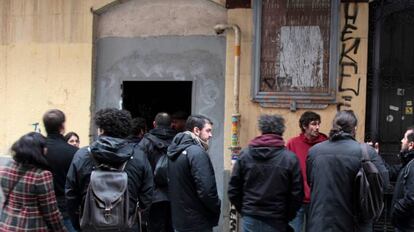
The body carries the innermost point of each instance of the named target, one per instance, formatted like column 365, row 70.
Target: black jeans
column 160, row 217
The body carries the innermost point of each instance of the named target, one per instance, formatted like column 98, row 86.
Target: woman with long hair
column 30, row 202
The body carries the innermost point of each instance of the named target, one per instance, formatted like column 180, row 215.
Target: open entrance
column 147, row 98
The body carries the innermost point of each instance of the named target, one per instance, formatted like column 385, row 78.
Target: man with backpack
column 403, row 198
column 155, row 144
column 110, row 182
column 333, row 167
column 192, row 185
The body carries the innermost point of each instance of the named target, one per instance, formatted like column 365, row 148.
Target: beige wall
column 250, row 111
column 46, row 62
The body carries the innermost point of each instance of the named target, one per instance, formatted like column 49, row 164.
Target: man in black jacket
column 192, row 185
column 403, row 198
column 266, row 184
column 59, row 157
column 112, row 149
column 331, row 169
column 155, row 144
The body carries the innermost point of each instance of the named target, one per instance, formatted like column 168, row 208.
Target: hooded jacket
column 266, row 181
column 300, row 145
column 155, row 144
column 403, row 198
column 192, row 185
column 113, row 152
column 331, row 169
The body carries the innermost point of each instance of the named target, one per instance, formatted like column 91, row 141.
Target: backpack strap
column 365, row 156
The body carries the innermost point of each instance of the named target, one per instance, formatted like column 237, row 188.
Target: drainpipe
column 235, row 117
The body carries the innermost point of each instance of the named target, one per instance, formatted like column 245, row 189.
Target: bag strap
column 365, row 156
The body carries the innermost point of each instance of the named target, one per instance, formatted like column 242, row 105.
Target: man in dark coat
column 331, row 169
column 192, row 185
column 266, row 184
column 403, row 198
column 155, row 144
column 309, row 123
column 59, row 156
column 112, row 149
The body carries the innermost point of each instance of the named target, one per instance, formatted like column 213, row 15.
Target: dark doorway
column 390, row 95
column 147, row 98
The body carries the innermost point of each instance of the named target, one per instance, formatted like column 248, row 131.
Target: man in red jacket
column 309, row 124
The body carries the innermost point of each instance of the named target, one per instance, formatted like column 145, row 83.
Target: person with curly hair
column 266, row 184
column 112, row 148
column 30, row 201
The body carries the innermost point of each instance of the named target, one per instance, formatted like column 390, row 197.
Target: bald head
column 162, row 120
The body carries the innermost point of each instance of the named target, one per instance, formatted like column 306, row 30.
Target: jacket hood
column 321, row 137
column 406, row 156
column 265, row 146
column 160, row 137
column 163, row 133
column 180, row 142
column 112, row 151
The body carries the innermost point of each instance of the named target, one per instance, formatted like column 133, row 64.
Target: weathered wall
column 46, row 62
column 250, row 110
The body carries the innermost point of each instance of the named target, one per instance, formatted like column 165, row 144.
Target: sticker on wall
column 402, row 118
column 390, row 118
column 408, row 103
column 400, row 92
column 395, row 108
column 409, row 110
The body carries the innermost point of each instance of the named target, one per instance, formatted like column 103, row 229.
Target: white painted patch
column 301, row 56
column 395, row 108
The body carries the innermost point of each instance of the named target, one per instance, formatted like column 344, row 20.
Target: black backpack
column 161, row 166
column 106, row 205
column 369, row 194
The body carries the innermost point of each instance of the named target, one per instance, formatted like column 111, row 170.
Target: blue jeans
column 254, row 224
column 299, row 222
column 68, row 225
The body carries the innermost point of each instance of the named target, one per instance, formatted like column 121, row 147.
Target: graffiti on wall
column 349, row 84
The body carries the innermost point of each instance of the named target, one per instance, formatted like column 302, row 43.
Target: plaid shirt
column 31, row 203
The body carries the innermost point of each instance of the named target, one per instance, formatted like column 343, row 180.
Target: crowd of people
column 162, row 180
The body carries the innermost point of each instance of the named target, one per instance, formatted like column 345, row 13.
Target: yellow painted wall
column 250, row 111
column 45, row 62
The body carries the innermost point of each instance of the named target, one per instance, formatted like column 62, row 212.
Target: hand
column 375, row 146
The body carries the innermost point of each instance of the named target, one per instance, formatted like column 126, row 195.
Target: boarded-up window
column 295, row 52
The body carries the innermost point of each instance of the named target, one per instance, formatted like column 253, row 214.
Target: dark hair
column 344, row 122
column 162, row 120
column 139, row 125
column 179, row 115
column 29, row 149
column 198, row 121
column 69, row 135
column 410, row 136
column 271, row 124
column 114, row 123
column 53, row 120
column 307, row 118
